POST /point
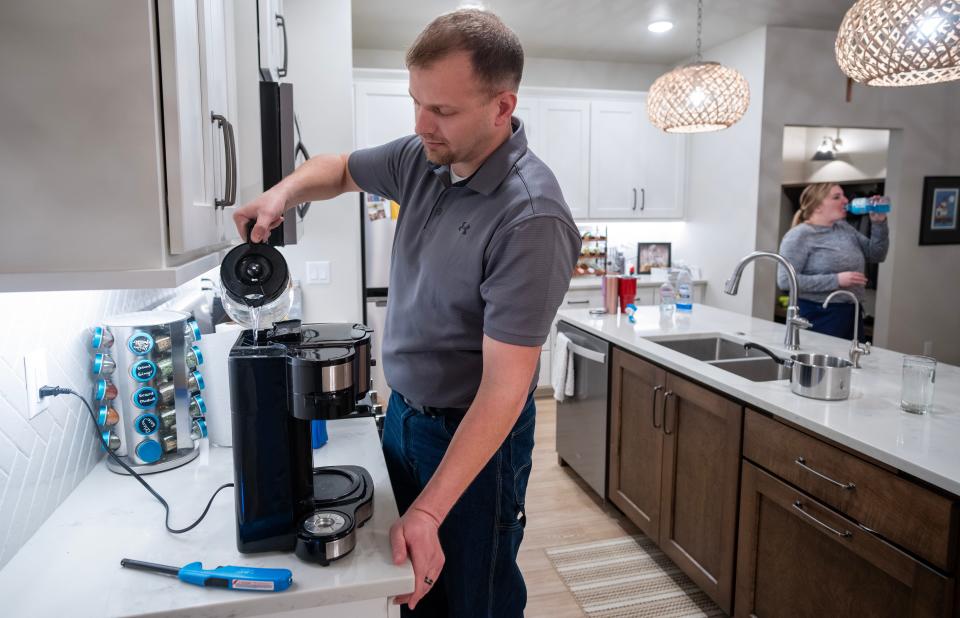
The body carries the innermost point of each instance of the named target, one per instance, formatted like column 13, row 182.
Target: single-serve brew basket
column 148, row 389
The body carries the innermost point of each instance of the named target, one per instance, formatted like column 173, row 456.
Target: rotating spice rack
column 148, row 389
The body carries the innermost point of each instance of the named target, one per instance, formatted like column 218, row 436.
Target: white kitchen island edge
column 870, row 421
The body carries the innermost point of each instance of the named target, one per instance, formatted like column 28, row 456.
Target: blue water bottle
column 318, row 433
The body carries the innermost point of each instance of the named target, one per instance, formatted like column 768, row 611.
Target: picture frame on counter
column 940, row 218
column 652, row 255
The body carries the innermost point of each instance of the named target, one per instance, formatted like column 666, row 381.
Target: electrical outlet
column 318, row 272
column 35, row 372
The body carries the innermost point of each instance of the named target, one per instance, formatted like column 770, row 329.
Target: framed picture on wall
column 940, row 224
column 652, row 255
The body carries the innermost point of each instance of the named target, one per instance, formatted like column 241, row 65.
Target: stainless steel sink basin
column 756, row 369
column 709, row 348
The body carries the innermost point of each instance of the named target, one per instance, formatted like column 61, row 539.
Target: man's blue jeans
column 481, row 535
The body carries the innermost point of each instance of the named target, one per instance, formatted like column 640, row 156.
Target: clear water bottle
column 668, row 300
column 684, row 291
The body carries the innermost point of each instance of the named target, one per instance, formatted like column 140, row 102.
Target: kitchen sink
column 756, row 369
column 711, row 348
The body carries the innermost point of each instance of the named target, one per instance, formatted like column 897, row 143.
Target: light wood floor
column 561, row 510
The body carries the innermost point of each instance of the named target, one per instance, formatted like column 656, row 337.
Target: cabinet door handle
column 282, row 23
column 230, row 149
column 635, row 199
column 578, row 302
column 800, row 461
column 656, row 389
column 666, row 396
column 846, row 534
column 643, row 199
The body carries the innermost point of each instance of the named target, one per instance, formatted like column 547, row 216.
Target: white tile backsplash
column 44, row 458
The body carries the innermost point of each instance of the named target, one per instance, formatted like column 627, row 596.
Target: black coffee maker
column 282, row 377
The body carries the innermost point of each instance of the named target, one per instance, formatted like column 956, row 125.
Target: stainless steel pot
column 818, row 376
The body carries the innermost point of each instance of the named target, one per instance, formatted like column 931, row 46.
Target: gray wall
column 723, row 182
column 917, row 296
column 546, row 72
column 320, row 68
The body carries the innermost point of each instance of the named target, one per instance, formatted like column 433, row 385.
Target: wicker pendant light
column 900, row 42
column 698, row 97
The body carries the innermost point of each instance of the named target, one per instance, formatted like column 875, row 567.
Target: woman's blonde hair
column 811, row 197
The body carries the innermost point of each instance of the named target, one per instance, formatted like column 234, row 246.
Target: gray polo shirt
column 492, row 255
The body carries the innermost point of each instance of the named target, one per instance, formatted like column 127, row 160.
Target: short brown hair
column 812, row 196
column 495, row 51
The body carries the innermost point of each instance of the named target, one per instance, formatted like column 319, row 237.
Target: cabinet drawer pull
column 656, row 389
column 800, row 461
column 578, row 302
column 282, row 24
column 667, row 395
column 230, row 148
column 846, row 534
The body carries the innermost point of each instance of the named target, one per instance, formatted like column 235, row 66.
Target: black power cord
column 53, row 391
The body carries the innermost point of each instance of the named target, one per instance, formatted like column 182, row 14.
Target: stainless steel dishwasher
column 582, row 418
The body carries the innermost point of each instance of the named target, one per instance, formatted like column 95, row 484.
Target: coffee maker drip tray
column 342, row 502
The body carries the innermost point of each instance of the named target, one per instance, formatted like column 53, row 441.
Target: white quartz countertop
column 587, row 282
column 71, row 566
column 870, row 421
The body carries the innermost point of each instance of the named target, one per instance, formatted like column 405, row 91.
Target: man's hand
column 321, row 178
column 415, row 535
column 266, row 211
column 851, row 278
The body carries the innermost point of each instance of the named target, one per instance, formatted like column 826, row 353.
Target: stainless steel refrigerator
column 379, row 224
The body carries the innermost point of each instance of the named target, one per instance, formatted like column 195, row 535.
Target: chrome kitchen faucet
column 791, row 339
column 856, row 348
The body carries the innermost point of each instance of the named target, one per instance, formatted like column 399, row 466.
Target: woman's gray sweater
column 819, row 252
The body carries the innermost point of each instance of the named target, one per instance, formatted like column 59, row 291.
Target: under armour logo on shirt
column 464, row 227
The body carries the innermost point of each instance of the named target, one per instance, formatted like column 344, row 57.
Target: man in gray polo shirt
column 484, row 249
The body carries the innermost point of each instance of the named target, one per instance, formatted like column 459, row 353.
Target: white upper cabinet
column 636, row 171
column 199, row 112
column 384, row 112
column 616, row 163
column 528, row 111
column 563, row 139
column 122, row 181
column 274, row 53
column 611, row 163
column 664, row 158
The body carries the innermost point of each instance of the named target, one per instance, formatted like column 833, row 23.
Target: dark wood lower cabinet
column 700, row 481
column 675, row 471
column 636, row 440
column 796, row 557
column 674, row 468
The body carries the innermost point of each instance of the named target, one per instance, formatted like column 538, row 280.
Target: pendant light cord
column 699, row 28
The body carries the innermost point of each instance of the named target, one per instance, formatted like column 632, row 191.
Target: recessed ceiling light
column 660, row 26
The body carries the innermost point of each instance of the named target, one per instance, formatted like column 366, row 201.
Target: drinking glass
column 916, row 391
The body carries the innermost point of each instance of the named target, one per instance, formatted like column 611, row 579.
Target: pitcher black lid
column 254, row 274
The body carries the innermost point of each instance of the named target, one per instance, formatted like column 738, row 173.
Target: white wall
column 723, row 182
column 916, row 297
column 545, row 72
column 320, row 69
column 44, row 458
column 862, row 157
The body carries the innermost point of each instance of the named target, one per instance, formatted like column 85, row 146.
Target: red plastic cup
column 628, row 292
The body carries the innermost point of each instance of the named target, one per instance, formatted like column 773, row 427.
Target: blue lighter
column 232, row 577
